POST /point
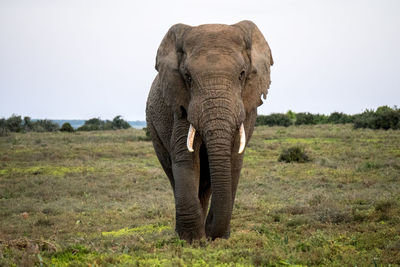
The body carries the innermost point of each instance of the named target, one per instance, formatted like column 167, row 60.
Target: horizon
column 144, row 120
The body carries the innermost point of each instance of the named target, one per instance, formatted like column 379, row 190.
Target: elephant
column 200, row 112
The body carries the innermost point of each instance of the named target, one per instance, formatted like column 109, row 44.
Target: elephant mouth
column 192, row 133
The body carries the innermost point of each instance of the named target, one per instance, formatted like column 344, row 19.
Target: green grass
column 101, row 198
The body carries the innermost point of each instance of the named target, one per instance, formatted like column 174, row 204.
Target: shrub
column 320, row 119
column 28, row 124
column 119, row 123
column 45, row 126
column 14, row 123
column 108, row 125
column 304, row 118
column 93, row 124
column 148, row 135
column 274, row 119
column 292, row 116
column 339, row 117
column 384, row 118
column 66, row 127
column 294, row 154
column 94, row 121
column 96, row 124
column 3, row 127
column 387, row 118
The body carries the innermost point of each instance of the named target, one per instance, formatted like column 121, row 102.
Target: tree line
column 383, row 117
column 22, row 125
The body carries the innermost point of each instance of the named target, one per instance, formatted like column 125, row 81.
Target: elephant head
column 214, row 76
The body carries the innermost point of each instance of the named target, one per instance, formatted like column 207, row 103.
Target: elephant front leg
column 189, row 214
column 186, row 172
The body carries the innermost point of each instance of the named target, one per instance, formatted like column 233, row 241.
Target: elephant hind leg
column 205, row 182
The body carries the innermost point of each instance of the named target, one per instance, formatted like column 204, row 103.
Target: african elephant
column 200, row 112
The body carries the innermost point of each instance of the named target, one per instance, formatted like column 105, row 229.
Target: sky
column 80, row 59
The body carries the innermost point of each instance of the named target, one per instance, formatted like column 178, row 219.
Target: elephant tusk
column 190, row 138
column 242, row 139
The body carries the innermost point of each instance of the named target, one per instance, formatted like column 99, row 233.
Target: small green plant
column 66, row 127
column 294, row 154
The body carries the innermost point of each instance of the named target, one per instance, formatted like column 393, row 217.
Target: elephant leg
column 162, row 154
column 186, row 173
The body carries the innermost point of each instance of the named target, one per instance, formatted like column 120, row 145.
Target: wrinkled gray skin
column 211, row 76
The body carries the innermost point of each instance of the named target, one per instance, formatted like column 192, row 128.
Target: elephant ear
column 168, row 58
column 259, row 79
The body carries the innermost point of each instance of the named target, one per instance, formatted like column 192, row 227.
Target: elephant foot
column 211, row 236
column 190, row 236
column 209, row 229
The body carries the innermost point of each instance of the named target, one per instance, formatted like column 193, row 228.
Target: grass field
column 101, row 198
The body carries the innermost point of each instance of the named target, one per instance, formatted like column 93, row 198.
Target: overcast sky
column 83, row 59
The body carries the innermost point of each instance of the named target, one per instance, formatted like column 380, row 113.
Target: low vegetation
column 101, row 199
column 17, row 124
column 66, row 127
column 294, row 154
column 96, row 124
column 383, row 118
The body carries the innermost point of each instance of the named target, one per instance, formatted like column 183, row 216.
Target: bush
column 45, row 126
column 339, row 117
column 66, row 127
column 292, row 116
column 119, row 123
column 148, row 135
column 97, row 124
column 28, row 124
column 14, row 123
column 294, row 154
column 387, row 118
column 94, row 124
column 384, row 118
column 304, row 118
column 3, row 127
column 275, row 119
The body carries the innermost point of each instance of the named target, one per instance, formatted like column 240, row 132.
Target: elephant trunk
column 218, row 144
column 218, row 126
column 218, row 117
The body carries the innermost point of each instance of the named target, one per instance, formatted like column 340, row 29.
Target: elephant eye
column 241, row 75
column 188, row 78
